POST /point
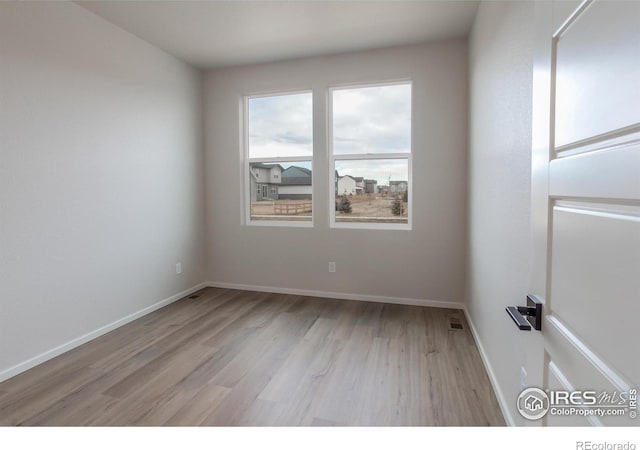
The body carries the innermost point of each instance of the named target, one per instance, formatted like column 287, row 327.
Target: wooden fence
column 289, row 209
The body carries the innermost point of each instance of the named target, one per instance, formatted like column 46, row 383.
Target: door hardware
column 527, row 316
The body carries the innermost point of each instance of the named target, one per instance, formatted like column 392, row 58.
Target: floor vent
column 194, row 296
column 455, row 324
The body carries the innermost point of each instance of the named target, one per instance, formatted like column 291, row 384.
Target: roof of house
column 358, row 178
column 296, row 169
column 295, row 175
column 371, row 181
column 346, row 176
column 265, row 166
column 397, row 182
column 306, row 181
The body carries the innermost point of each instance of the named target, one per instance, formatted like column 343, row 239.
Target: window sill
column 280, row 223
column 371, row 226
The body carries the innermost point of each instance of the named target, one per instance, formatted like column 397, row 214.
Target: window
column 279, row 152
column 370, row 156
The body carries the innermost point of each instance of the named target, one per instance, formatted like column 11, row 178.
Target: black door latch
column 527, row 316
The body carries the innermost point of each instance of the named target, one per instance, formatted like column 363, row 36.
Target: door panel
column 558, row 381
column 595, row 282
column 562, row 10
column 587, row 149
column 606, row 172
column 597, row 72
column 584, row 368
column 581, row 369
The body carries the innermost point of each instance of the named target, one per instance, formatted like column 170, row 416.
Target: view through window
column 280, row 148
column 371, row 154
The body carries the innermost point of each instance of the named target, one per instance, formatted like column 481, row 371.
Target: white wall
column 432, row 255
column 346, row 185
column 101, row 187
column 295, row 190
column 501, row 74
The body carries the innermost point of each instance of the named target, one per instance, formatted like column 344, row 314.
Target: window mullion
column 369, row 156
column 279, row 159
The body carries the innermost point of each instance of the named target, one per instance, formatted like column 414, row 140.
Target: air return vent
column 455, row 323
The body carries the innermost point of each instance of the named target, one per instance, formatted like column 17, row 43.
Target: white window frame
column 332, row 158
column 245, row 177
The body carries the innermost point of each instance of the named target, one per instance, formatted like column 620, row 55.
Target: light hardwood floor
column 232, row 357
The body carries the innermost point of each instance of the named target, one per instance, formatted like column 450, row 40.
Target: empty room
column 320, row 213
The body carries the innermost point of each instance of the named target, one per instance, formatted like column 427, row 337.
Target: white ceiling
column 210, row 34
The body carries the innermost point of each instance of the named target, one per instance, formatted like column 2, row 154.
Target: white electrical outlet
column 178, row 268
column 332, row 266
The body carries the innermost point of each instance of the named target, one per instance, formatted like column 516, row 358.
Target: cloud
column 280, row 125
column 305, row 164
column 365, row 120
column 372, row 120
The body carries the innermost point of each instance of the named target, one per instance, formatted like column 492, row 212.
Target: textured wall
column 500, row 75
column 424, row 263
column 101, row 188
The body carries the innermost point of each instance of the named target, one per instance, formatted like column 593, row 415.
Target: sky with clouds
column 281, row 125
column 371, row 120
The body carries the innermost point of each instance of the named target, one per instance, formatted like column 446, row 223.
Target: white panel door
column 586, row 204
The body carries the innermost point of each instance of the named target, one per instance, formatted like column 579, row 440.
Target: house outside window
column 370, row 153
column 370, row 156
column 278, row 144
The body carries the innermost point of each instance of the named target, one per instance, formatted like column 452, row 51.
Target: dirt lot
column 362, row 206
column 370, row 205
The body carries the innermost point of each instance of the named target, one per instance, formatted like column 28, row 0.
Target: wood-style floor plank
column 199, row 407
column 230, row 357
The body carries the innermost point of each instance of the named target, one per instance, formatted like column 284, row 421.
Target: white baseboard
column 508, row 418
column 49, row 354
column 338, row 295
